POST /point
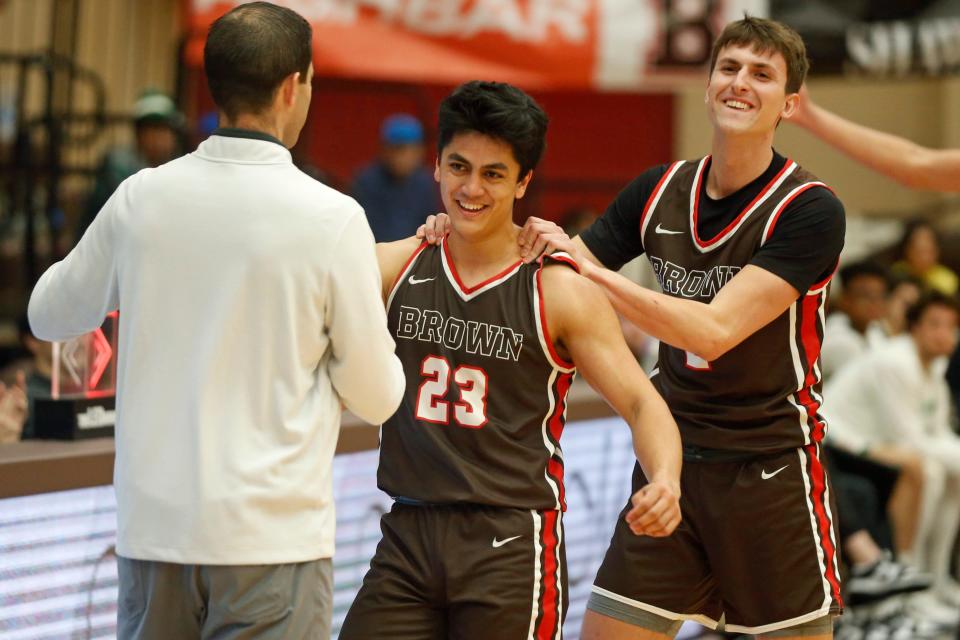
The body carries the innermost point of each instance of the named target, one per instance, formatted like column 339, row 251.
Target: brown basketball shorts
column 757, row 545
column 463, row 571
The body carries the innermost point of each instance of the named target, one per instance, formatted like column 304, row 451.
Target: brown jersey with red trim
column 485, row 404
column 764, row 394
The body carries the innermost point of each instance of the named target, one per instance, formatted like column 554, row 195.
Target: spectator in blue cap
column 396, row 190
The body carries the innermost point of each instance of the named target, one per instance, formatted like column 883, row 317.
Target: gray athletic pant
column 162, row 600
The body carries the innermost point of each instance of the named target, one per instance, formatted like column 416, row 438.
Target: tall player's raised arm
column 584, row 327
column 392, row 257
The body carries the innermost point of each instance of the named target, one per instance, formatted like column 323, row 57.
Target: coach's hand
column 656, row 509
column 435, row 229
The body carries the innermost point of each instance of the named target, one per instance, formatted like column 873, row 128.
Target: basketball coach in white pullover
column 250, row 308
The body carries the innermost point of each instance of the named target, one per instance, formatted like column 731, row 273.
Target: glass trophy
column 82, row 386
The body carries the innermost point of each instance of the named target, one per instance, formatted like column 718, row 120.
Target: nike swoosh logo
column 661, row 230
column 499, row 543
column 767, row 476
column 413, row 280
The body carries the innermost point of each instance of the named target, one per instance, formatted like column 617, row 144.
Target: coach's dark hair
column 855, row 270
column 929, row 299
column 498, row 110
column 767, row 36
column 250, row 50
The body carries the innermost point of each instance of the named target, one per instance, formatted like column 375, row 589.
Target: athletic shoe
column 926, row 606
column 884, row 578
column 948, row 592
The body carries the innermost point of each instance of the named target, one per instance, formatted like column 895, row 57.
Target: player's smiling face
column 747, row 90
column 478, row 178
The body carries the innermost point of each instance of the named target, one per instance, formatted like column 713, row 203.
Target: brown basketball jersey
column 764, row 394
column 485, row 404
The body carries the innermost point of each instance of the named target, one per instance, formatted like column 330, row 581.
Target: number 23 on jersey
column 432, row 403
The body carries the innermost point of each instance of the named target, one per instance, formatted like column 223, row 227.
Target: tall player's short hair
column 248, row 53
column 927, row 300
column 498, row 110
column 765, row 36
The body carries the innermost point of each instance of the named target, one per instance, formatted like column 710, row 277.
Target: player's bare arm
column 392, row 256
column 585, row 329
column 902, row 160
column 750, row 301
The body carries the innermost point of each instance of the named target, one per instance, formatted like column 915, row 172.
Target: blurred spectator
column 919, row 256
column 577, row 219
column 396, row 191
column 13, row 410
column 851, row 330
column 892, row 404
column 903, row 294
column 36, row 374
column 158, row 129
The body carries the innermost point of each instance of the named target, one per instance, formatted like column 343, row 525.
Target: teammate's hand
column 656, row 509
column 540, row 236
column 435, row 229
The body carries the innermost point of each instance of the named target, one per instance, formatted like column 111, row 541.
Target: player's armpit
column 582, row 323
column 392, row 257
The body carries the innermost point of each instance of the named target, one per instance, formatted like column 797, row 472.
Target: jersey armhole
column 408, row 265
column 539, row 309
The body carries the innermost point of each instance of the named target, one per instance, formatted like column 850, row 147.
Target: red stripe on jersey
column 550, row 598
column 696, row 204
column 809, row 323
column 555, row 429
column 557, row 360
column 653, row 196
column 456, row 276
column 406, row 265
column 559, row 257
column 818, row 497
column 820, row 285
column 783, row 205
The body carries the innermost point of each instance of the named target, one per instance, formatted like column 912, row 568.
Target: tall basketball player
column 744, row 243
column 473, row 546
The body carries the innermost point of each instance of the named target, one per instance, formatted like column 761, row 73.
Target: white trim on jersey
column 559, row 534
column 544, row 431
column 699, row 618
column 537, row 573
column 827, row 598
column 719, row 241
column 783, row 624
column 411, row 263
column 821, row 288
column 798, row 371
column 783, row 203
column 655, row 200
column 540, row 321
column 486, row 286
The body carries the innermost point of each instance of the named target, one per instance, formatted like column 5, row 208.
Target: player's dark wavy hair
column 498, row 110
column 248, row 53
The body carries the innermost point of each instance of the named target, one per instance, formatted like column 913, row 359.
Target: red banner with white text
column 536, row 44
